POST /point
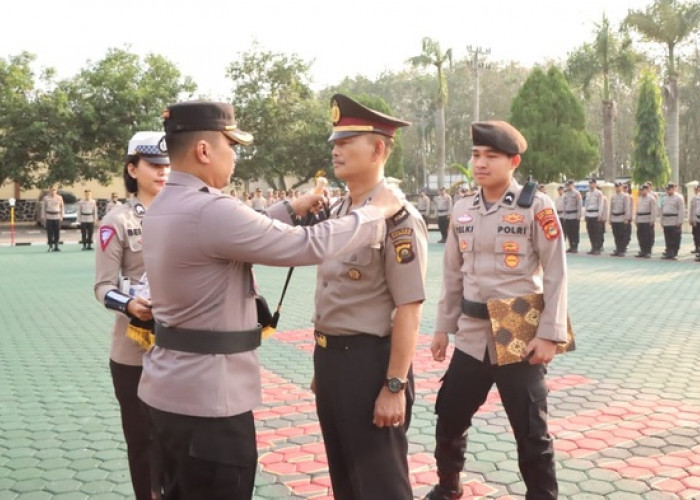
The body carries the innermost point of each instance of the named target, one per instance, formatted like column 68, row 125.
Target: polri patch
column 106, row 235
column 547, row 220
column 403, row 233
column 404, row 251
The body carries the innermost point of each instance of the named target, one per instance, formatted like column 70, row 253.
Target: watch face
column 394, row 384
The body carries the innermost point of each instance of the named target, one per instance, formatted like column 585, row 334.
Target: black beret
column 351, row 118
column 202, row 115
column 499, row 135
column 569, row 182
column 618, row 183
column 670, row 185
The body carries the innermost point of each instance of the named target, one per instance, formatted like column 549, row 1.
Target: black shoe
column 647, row 256
column 695, row 250
column 595, row 252
column 441, row 493
column 441, row 241
column 49, row 249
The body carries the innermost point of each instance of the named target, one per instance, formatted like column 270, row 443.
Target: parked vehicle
column 70, row 209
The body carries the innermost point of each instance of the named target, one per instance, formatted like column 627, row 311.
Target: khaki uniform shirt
column 87, row 211
column 620, row 208
column 646, row 209
column 199, row 245
column 694, row 210
column 357, row 292
column 120, row 256
column 595, row 205
column 443, row 204
column 423, row 205
column 258, row 203
column 500, row 252
column 559, row 205
column 673, row 210
column 572, row 205
column 52, row 207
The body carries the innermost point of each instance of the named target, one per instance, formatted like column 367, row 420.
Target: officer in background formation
column 559, row 203
column 52, row 213
column 87, row 216
column 627, row 189
column 201, row 380
column 112, row 203
column 368, row 308
column 572, row 216
column 257, row 202
column 645, row 219
column 500, row 240
column 443, row 206
column 694, row 220
column 119, row 271
column 672, row 215
column 620, row 219
column 423, row 206
column 596, row 205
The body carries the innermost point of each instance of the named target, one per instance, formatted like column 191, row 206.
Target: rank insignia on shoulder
column 509, row 198
column 354, row 274
column 404, row 252
column 399, row 217
column 476, row 200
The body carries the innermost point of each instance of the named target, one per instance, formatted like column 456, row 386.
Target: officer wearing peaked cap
column 201, row 380
column 368, row 306
column 119, row 285
column 500, row 240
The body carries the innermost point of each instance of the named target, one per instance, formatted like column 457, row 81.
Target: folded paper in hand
column 514, row 324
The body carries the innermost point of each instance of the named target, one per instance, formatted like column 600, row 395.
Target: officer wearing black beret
column 201, row 380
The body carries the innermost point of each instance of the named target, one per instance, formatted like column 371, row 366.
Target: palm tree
column 668, row 22
column 608, row 56
column 433, row 55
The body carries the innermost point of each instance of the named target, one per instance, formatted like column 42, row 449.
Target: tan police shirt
column 443, row 204
column 620, row 209
column 673, row 210
column 694, row 211
column 120, row 256
column 501, row 252
column 595, row 205
column 112, row 204
column 572, row 205
column 646, row 209
column 87, row 211
column 199, row 245
column 358, row 291
column 52, row 207
column 423, row 205
column 559, row 205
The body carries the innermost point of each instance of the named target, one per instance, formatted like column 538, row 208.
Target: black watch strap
column 395, row 384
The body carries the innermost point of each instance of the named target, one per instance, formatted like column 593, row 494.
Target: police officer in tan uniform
column 694, row 220
column 423, row 206
column 559, row 203
column 645, row 219
column 201, row 380
column 572, row 216
column 501, row 239
column 672, row 215
column 368, row 308
column 443, row 205
column 620, row 217
column 595, row 217
column 52, row 213
column 87, row 216
column 119, row 271
column 113, row 202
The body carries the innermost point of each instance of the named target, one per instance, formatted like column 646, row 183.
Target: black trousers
column 53, row 230
column 572, row 228
column 696, row 235
column 672, row 237
column 620, row 231
column 86, row 230
column 365, row 462
column 645, row 236
column 135, row 424
column 443, row 224
column 595, row 230
column 523, row 391
column 206, row 458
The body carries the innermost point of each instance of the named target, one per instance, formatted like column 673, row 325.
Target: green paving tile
column 97, row 487
column 64, row 486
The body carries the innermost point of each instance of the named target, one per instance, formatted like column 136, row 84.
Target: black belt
column 207, row 341
column 669, row 215
column 346, row 342
column 476, row 310
column 84, row 213
column 571, row 211
column 52, row 213
column 621, row 213
column 643, row 213
column 443, row 212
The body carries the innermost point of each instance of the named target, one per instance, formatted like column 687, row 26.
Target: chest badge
column 465, row 219
column 514, row 218
column 511, row 260
column 463, row 246
column 354, row 274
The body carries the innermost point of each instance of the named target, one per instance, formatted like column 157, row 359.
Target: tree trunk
column 609, row 167
column 672, row 126
column 440, row 139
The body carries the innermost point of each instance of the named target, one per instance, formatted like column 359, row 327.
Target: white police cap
column 150, row 146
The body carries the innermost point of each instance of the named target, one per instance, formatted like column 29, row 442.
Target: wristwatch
column 395, row 384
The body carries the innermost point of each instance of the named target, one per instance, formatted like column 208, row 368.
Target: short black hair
column 180, row 142
column 129, row 182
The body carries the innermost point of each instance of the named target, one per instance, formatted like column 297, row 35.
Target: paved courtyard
column 624, row 407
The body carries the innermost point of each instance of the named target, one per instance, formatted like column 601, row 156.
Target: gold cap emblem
column 335, row 113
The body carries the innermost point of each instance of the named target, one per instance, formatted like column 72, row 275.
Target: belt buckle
column 321, row 340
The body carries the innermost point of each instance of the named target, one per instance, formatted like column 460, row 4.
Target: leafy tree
column 552, row 120
column 275, row 103
column 668, row 22
column 689, row 83
column 606, row 57
column 650, row 161
column 433, row 55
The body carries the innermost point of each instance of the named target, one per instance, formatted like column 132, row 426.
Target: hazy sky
column 341, row 38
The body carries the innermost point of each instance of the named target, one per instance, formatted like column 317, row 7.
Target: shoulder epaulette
column 398, row 217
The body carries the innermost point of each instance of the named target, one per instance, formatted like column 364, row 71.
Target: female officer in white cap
column 119, row 276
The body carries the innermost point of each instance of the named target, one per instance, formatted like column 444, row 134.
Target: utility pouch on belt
column 514, row 324
column 264, row 314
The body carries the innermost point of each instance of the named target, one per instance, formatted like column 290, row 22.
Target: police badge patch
column 106, row 235
column 404, row 251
